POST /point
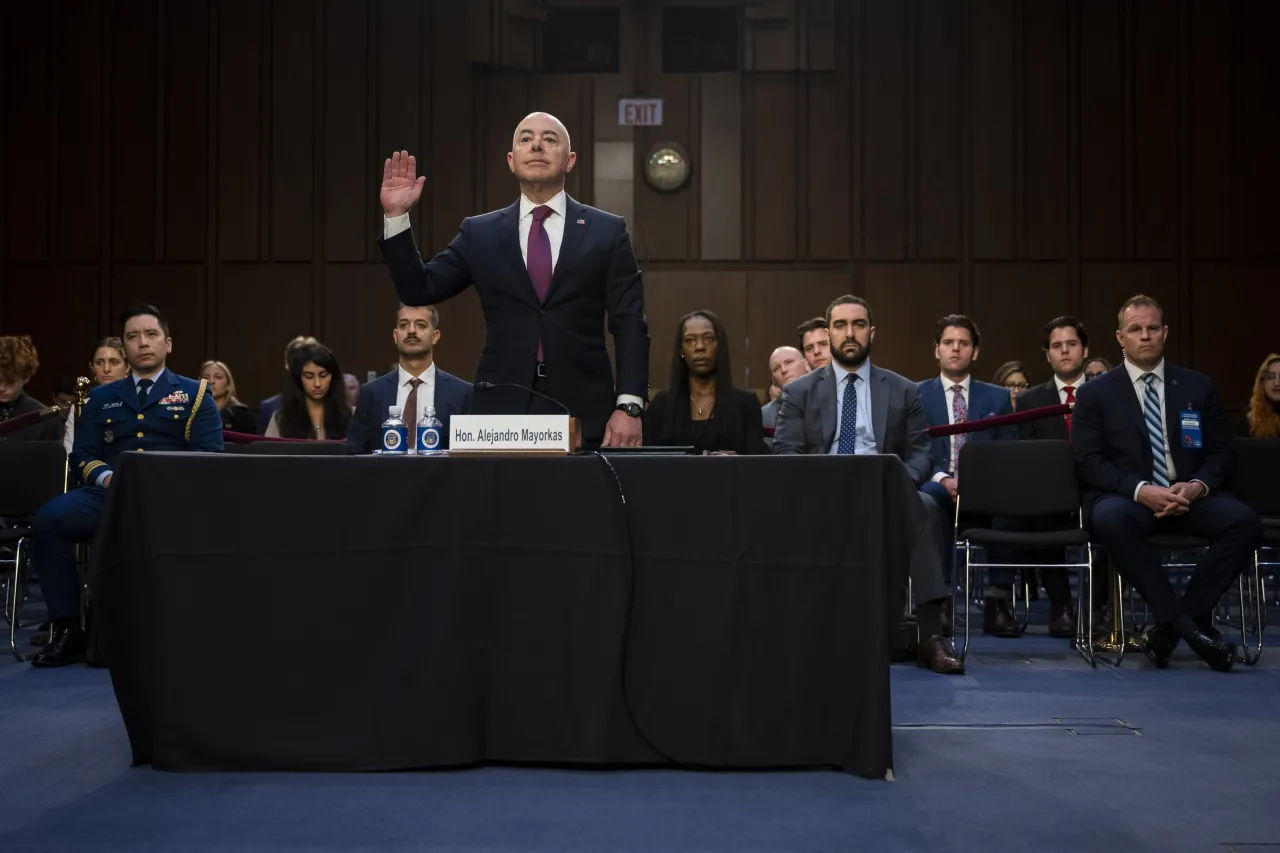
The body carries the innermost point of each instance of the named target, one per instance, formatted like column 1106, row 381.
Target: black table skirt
column 366, row 613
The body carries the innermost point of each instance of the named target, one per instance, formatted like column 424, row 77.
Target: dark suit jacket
column 1109, row 435
column 1044, row 428
column 807, row 418
column 985, row 400
column 49, row 428
column 268, row 408
column 595, row 276
column 364, row 435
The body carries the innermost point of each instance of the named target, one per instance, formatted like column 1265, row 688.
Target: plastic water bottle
column 395, row 432
column 430, row 433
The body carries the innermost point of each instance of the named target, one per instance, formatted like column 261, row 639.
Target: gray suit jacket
column 769, row 417
column 807, row 418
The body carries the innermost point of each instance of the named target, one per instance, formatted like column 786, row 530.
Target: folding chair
column 35, row 472
column 1253, row 482
column 1021, row 479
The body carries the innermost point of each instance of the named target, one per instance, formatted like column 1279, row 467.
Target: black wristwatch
column 634, row 410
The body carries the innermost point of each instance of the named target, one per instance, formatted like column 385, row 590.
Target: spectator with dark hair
column 235, row 415
column 1094, row 367
column 108, row 364
column 18, row 363
column 1262, row 417
column 815, row 342
column 314, row 401
column 1014, row 377
column 268, row 406
column 700, row 406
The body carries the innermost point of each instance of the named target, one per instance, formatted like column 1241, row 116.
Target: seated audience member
column 1262, row 418
column 222, row 387
column 152, row 409
column 1066, row 346
column 415, row 384
column 815, row 342
column 268, row 406
column 785, row 364
column 956, row 397
column 774, row 392
column 108, row 364
column 64, row 394
column 700, row 407
column 313, row 405
column 18, row 363
column 852, row 407
column 353, row 389
column 1095, row 367
column 1014, row 377
column 1159, row 467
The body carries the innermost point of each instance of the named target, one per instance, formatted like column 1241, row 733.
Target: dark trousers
column 58, row 526
column 1121, row 524
column 928, row 578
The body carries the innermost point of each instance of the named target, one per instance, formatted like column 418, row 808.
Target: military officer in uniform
column 150, row 409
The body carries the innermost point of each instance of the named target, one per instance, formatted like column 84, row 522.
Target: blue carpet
column 1029, row 751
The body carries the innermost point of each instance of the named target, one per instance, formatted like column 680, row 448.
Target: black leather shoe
column 65, row 647
column 1205, row 624
column 1158, row 645
column 998, row 619
column 1219, row 654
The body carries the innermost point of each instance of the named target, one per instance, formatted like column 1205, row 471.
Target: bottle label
column 393, row 439
column 429, row 439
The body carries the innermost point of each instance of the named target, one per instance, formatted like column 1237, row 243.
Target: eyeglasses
column 1020, row 386
column 1271, row 377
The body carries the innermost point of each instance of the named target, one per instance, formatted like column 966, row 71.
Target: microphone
column 485, row 386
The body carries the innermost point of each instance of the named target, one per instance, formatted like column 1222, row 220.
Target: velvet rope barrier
column 1000, row 420
column 250, row 438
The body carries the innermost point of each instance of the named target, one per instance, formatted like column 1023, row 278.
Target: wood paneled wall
column 1011, row 160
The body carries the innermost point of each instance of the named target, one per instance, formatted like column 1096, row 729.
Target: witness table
column 368, row 613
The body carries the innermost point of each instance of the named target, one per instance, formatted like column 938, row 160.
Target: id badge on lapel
column 1190, row 420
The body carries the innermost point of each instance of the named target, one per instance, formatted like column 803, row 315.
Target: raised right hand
column 1163, row 502
column 401, row 186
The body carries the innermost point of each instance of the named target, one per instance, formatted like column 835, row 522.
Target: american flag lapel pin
column 582, row 222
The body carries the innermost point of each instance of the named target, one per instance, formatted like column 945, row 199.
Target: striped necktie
column 1151, row 415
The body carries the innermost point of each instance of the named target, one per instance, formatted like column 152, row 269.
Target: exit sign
column 640, row 111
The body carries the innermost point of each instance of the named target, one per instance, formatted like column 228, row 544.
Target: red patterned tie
column 538, row 258
column 1071, row 398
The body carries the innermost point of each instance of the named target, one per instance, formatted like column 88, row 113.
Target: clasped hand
column 1171, row 501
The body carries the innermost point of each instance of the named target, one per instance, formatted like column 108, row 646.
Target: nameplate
column 480, row 433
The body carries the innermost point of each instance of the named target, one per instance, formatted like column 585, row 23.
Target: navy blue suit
column 268, row 408
column 112, row 423
column 1113, row 455
column 595, row 277
column 452, row 397
column 984, row 400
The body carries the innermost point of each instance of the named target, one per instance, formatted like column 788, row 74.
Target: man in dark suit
column 956, row 397
column 850, row 406
column 1154, row 449
column 415, row 385
column 1066, row 346
column 548, row 271
column 151, row 409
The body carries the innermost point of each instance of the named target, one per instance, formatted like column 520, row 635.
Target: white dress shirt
column 553, row 225
column 949, row 394
column 426, row 392
column 1075, row 386
column 865, row 438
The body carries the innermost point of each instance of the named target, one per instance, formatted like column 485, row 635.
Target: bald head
column 541, row 155
column 785, row 364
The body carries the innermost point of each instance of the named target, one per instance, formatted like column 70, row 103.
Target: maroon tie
column 539, row 257
column 411, row 412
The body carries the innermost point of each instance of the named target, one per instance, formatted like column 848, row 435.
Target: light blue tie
column 1151, row 415
column 848, row 444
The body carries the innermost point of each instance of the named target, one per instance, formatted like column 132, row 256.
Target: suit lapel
column 827, row 405
column 128, row 392
column 509, row 240
column 570, row 243
column 388, row 394
column 1130, row 405
column 934, row 400
column 1174, row 404
column 879, row 406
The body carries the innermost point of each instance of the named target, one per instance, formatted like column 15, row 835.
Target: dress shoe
column 947, row 621
column 1219, row 654
column 1158, row 645
column 937, row 654
column 998, row 621
column 1062, row 620
column 1205, row 624
column 66, row 646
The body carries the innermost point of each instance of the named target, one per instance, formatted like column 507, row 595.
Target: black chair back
column 34, row 472
column 1021, row 479
column 296, row 448
column 1257, row 475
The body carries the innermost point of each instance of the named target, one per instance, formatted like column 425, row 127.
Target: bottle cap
column 395, row 411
